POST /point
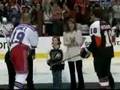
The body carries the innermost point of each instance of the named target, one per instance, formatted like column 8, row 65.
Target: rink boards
column 44, row 45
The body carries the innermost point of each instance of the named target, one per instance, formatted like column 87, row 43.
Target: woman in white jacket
column 73, row 40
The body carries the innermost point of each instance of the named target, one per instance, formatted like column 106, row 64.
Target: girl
column 56, row 55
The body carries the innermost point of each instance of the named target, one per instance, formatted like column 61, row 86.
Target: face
column 55, row 41
column 71, row 25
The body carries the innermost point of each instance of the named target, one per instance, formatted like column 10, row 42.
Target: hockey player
column 5, row 30
column 23, row 39
column 101, row 47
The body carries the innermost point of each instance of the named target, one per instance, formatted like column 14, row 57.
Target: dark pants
column 11, row 72
column 102, row 68
column 29, row 79
column 79, row 74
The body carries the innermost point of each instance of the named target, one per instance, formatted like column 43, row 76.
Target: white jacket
column 73, row 41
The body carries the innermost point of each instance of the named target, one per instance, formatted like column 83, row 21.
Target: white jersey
column 25, row 34
column 6, row 30
column 101, row 39
column 95, row 29
column 102, row 33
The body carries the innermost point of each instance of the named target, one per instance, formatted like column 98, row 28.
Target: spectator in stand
column 116, row 13
column 47, row 13
column 1, row 9
column 82, row 11
column 60, row 2
column 25, row 14
column 65, row 12
column 70, row 4
column 57, row 20
column 14, row 13
column 37, row 15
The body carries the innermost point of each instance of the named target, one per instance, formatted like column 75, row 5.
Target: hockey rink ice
column 42, row 74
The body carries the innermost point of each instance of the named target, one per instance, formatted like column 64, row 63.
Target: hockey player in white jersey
column 101, row 47
column 6, row 29
column 23, row 38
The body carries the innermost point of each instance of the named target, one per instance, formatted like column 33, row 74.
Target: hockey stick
column 66, row 59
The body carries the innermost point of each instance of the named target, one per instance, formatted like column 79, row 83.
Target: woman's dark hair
column 66, row 26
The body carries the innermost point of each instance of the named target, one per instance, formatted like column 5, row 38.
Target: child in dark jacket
column 55, row 62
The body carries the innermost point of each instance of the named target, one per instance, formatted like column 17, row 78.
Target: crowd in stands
column 49, row 16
